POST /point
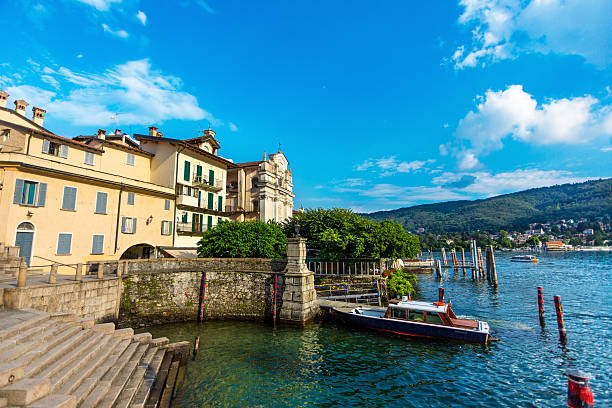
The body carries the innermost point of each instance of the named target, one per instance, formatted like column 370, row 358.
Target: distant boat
column 420, row 319
column 556, row 246
column 524, row 258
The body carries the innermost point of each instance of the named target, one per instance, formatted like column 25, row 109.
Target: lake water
column 328, row 365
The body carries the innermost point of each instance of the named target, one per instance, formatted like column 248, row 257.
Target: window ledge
column 66, row 209
column 63, row 254
column 100, row 213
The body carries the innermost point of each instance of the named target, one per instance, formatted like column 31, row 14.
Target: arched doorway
column 24, row 239
column 140, row 251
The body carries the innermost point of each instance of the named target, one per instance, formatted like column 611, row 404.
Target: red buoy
column 579, row 394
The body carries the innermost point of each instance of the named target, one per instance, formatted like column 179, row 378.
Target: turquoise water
column 327, row 365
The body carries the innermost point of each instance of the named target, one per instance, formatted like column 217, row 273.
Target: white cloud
column 142, row 17
column 80, row 56
column 606, row 149
column 117, row 33
column 502, row 29
column 50, row 80
column 443, row 150
column 365, row 165
column 516, row 114
column 141, row 94
column 390, row 165
column 404, row 167
column 101, row 5
column 205, row 6
column 233, row 127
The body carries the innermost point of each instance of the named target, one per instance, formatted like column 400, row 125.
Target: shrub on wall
column 250, row 239
column 400, row 283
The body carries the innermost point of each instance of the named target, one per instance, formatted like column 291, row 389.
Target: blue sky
column 377, row 105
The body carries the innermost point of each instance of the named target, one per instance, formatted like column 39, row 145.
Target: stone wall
column 97, row 298
column 159, row 291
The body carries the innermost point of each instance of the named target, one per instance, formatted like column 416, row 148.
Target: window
column 166, row 227
column 220, row 203
column 187, row 171
column 89, row 158
column 129, row 160
column 211, row 177
column 69, row 198
column 196, row 222
column 254, row 182
column 128, row 225
column 398, row 313
column 97, row 244
column 166, row 205
column 55, row 149
column 185, row 217
column 211, row 200
column 433, row 318
column 64, row 244
column 101, row 200
column 199, row 173
column 416, row 315
column 130, row 198
column 30, row 193
column 210, row 225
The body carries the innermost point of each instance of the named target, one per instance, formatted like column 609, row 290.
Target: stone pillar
column 79, row 272
column 21, row 278
column 100, row 270
column 53, row 273
column 299, row 296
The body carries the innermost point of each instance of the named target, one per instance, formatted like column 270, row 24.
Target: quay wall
column 163, row 291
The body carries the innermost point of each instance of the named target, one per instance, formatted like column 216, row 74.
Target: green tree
column 533, row 241
column 401, row 283
column 575, row 241
column 505, row 242
column 250, row 239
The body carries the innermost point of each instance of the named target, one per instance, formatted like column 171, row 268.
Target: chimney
column 152, row 131
column 265, row 155
column 20, row 106
column 210, row 132
column 3, row 96
column 102, row 134
column 160, row 134
column 38, row 115
column 117, row 132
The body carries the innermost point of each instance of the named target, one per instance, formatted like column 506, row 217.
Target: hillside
column 509, row 211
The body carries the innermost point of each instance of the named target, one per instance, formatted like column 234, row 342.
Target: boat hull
column 407, row 328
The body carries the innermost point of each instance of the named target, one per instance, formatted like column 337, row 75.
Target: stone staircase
column 62, row 361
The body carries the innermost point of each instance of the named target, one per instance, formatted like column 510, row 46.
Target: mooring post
column 439, row 265
column 481, row 264
column 541, row 306
column 493, row 267
column 488, row 262
column 579, row 394
column 23, row 273
column 441, row 295
column 560, row 320
column 473, row 257
column 463, row 260
column 53, row 273
column 275, row 295
column 196, row 345
column 100, row 270
column 202, row 295
column 78, row 276
column 444, row 256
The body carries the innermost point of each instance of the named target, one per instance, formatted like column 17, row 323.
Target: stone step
column 63, row 368
column 140, row 398
column 159, row 342
column 143, row 337
column 55, row 401
column 138, row 376
column 98, row 369
column 27, row 335
column 124, row 376
column 18, row 328
column 3, row 402
column 54, row 354
column 26, row 352
column 124, row 333
column 11, row 372
column 104, row 383
column 108, row 328
column 25, row 391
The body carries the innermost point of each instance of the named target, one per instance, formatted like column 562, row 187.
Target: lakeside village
column 101, row 233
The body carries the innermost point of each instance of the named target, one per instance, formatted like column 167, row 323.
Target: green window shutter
column 30, row 192
column 187, row 171
column 210, row 222
column 42, row 194
column 211, row 200
column 220, row 203
column 184, row 219
column 18, row 195
column 199, row 172
column 211, row 177
column 194, row 222
column 199, row 198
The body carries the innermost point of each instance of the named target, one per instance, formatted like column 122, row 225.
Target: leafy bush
column 401, row 283
column 250, row 239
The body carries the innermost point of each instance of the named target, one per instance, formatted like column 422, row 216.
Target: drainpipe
column 28, row 147
column 118, row 218
column 175, row 194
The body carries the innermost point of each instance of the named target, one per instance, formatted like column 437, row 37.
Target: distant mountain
column 509, row 211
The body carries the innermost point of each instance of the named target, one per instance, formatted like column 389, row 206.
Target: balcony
column 230, row 208
column 205, row 184
column 183, row 199
column 187, row 228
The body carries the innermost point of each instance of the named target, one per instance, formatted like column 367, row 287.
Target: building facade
column 260, row 190
column 75, row 200
column 197, row 175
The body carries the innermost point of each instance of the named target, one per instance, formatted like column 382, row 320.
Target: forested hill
column 509, row 211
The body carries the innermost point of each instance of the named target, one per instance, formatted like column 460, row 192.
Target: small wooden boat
column 420, row 319
column 524, row 258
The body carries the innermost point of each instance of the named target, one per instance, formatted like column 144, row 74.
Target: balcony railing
column 190, row 229
column 207, row 184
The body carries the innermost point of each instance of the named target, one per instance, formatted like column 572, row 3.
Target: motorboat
column 524, row 258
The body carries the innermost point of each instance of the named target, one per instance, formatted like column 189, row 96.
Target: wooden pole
column 560, row 320
column 488, row 262
column 444, row 256
column 473, row 256
column 541, row 306
column 454, row 258
column 493, row 267
column 202, row 295
column 275, row 295
column 463, row 259
column 196, row 345
column 480, row 264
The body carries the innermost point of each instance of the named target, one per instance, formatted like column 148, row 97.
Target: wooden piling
column 463, row 259
column 579, row 394
column 196, row 345
column 444, row 256
column 454, row 258
column 275, row 296
column 21, row 277
column 560, row 320
column 541, row 306
column 480, row 264
column 78, row 276
column 53, row 273
column 493, row 267
column 202, row 295
column 488, row 262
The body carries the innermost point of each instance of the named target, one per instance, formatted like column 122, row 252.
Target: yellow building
column 73, row 200
column 193, row 169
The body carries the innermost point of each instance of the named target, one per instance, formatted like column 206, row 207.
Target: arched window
column 25, row 226
column 254, row 182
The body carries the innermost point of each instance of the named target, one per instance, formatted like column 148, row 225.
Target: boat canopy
column 422, row 306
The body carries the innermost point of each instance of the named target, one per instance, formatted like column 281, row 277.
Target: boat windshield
column 416, row 315
column 434, row 318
